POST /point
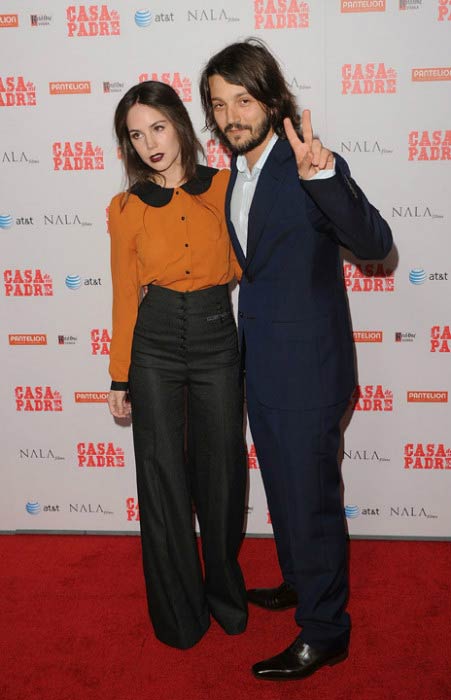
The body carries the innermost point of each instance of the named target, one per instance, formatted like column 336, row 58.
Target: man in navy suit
column 290, row 204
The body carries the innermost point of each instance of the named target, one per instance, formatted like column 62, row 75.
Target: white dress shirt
column 244, row 190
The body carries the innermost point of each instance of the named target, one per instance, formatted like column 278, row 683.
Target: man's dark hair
column 251, row 64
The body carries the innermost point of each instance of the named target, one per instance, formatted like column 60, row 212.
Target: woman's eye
column 217, row 106
column 135, row 136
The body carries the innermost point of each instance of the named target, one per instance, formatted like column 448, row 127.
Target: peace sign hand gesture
column 311, row 156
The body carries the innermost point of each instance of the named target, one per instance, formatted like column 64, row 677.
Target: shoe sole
column 299, row 677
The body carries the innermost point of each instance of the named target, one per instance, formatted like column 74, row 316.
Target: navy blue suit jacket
column 292, row 311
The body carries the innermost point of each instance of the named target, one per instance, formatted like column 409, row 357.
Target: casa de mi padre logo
column 100, row 454
column 372, row 397
column 100, row 341
column 281, row 14
column 92, row 21
column 132, row 509
column 27, row 283
column 370, row 277
column 367, row 79
column 434, row 456
column 440, row 339
column 37, row 399
column 16, row 91
column 182, row 85
column 218, row 156
column 444, row 10
column 78, row 155
column 430, row 145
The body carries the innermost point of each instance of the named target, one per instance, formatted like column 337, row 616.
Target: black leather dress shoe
column 298, row 661
column 280, row 598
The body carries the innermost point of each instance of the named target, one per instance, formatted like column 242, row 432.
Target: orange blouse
column 172, row 238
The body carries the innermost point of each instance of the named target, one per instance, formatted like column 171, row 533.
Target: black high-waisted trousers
column 187, row 412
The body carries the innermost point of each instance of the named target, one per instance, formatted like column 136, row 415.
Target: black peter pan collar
column 154, row 195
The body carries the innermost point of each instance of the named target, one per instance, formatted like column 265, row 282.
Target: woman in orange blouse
column 175, row 357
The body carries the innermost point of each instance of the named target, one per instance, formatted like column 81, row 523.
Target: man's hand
column 118, row 404
column 311, row 156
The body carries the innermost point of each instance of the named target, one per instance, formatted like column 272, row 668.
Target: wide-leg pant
column 187, row 412
column 298, row 456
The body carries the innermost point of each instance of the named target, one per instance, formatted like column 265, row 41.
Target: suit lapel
column 233, row 237
column 269, row 184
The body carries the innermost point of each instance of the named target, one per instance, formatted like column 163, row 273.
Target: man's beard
column 256, row 140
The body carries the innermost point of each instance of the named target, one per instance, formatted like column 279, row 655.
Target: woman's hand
column 119, row 404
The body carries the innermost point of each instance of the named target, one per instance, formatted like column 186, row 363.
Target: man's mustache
column 237, row 125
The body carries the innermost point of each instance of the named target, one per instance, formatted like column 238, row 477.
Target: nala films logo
column 371, row 146
column 364, row 455
column 64, row 219
column 17, row 158
column 210, row 15
column 89, row 509
column 414, row 211
column 39, row 454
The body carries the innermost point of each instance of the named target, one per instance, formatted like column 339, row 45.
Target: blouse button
column 176, row 191
column 186, row 245
column 183, row 218
column 187, row 272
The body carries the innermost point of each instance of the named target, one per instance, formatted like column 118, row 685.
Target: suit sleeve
column 339, row 207
column 126, row 288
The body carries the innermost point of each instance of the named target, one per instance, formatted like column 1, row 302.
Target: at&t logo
column 33, row 508
column 281, row 14
column 143, row 18
column 92, row 20
column 419, row 276
column 6, row 221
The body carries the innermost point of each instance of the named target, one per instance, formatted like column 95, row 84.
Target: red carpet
column 74, row 626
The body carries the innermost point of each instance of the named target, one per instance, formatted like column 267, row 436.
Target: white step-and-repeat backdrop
column 376, row 75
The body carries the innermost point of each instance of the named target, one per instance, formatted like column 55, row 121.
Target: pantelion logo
column 9, row 21
column 363, row 5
